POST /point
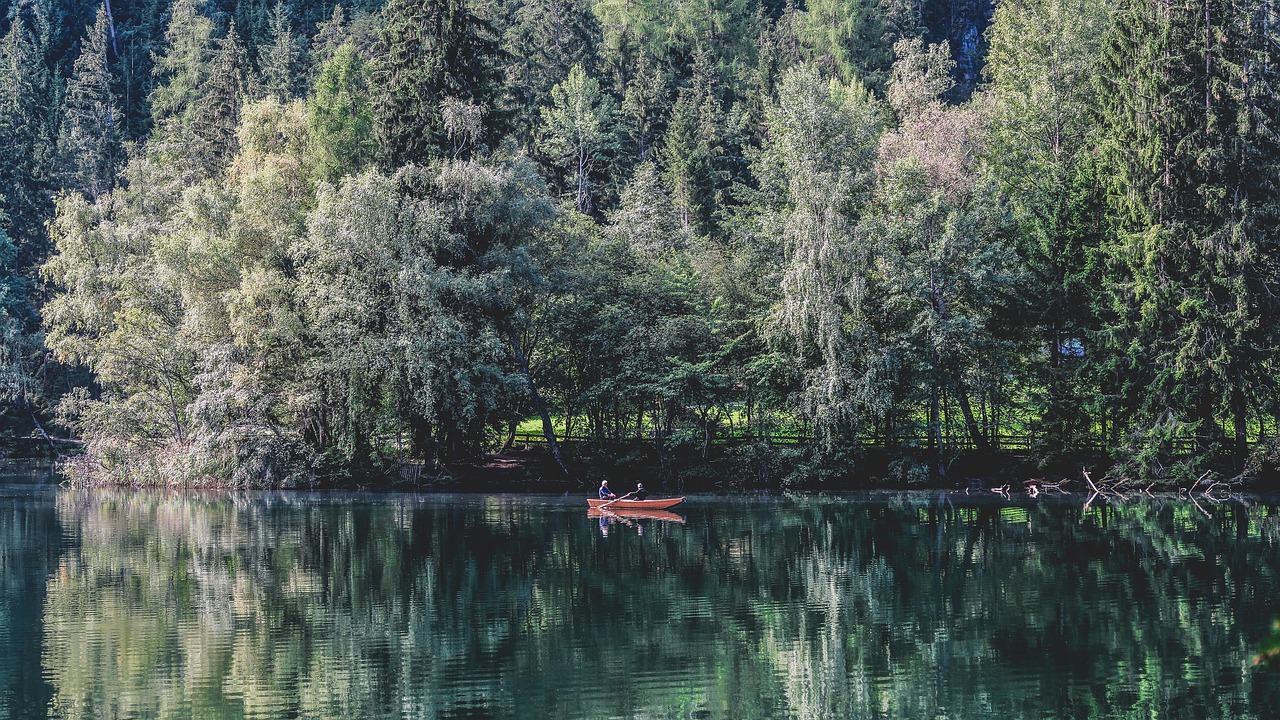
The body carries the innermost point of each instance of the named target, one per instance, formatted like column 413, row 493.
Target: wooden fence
column 1003, row 443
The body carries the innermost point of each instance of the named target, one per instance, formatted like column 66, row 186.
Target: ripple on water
column 465, row 607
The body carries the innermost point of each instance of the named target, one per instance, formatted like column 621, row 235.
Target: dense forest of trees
column 255, row 241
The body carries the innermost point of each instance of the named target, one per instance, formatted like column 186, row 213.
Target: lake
column 117, row 604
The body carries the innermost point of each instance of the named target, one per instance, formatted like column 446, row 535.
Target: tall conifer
column 180, row 72
column 1189, row 145
column 90, row 141
column 429, row 50
column 24, row 110
column 278, row 60
column 220, row 102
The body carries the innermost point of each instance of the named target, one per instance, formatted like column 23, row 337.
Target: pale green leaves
column 574, row 131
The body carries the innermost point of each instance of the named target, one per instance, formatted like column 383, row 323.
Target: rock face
column 963, row 25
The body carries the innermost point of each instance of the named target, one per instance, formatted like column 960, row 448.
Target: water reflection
column 28, row 549
column 271, row 606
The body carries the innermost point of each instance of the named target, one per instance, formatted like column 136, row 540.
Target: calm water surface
column 145, row 605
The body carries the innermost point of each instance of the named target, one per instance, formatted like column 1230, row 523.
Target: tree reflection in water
column 873, row 607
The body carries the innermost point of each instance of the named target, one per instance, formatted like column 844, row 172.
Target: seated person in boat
column 640, row 492
column 605, row 492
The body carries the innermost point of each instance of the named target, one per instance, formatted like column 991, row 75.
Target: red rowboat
column 662, row 504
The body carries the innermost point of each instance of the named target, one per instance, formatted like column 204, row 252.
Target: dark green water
column 138, row 605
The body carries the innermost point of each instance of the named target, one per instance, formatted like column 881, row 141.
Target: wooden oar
column 624, row 497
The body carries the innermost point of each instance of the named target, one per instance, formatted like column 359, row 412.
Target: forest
column 281, row 242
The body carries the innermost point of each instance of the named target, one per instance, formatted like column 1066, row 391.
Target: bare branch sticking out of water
column 1206, row 512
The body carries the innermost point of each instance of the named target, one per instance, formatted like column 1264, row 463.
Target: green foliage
column 341, row 121
column 1183, row 142
column 687, row 153
column 279, row 60
column 1041, row 66
column 775, row 220
column 18, row 386
column 855, row 38
column 574, row 132
column 544, row 42
column 816, row 169
column 1269, row 648
column 217, row 109
column 427, row 51
column 90, row 139
column 25, row 136
column 330, row 35
column 181, row 70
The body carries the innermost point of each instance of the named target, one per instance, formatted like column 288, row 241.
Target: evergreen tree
column 24, row 138
column 339, row 116
column 1188, row 141
column 330, row 35
column 90, row 142
column 137, row 32
column 855, row 38
column 278, row 59
column 646, row 220
column 641, row 116
column 180, row 73
column 1041, row 62
column 256, row 20
column 428, row 50
column 19, row 388
column 694, row 147
column 218, row 108
column 546, row 39
column 686, row 158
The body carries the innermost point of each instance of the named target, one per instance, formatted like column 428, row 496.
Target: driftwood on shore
column 1205, row 487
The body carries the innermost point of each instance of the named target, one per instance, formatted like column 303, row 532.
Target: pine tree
column 693, row 149
column 646, row 220
column 24, row 138
column 136, row 37
column 855, row 38
column 279, row 59
column 428, row 50
column 90, row 142
column 339, row 117
column 686, row 160
column 642, row 112
column 1041, row 62
column 330, row 35
column 18, row 386
column 256, row 21
column 1188, row 119
column 218, row 108
column 180, row 72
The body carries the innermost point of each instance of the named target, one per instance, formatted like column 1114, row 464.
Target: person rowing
column 605, row 492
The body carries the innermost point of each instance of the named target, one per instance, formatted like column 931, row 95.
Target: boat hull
column 662, row 504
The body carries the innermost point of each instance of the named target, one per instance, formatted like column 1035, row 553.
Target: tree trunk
column 111, row 24
column 1239, row 412
column 420, row 437
column 935, row 422
column 548, row 429
column 511, row 436
column 970, row 422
